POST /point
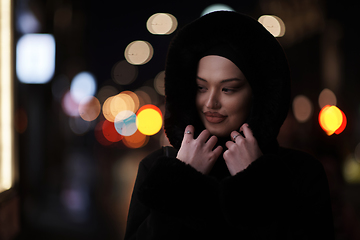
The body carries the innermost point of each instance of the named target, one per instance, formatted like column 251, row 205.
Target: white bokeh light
column 125, row 123
column 216, row 7
column 35, row 58
column 83, row 86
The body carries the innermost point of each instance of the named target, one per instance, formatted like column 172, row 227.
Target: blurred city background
column 89, row 103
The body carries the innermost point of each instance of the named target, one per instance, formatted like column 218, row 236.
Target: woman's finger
column 246, row 130
column 203, row 136
column 218, row 150
column 235, row 135
column 211, row 142
column 189, row 132
column 228, row 144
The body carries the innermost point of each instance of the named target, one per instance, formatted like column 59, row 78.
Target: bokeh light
column 149, row 119
column 161, row 23
column 331, row 119
column 124, row 73
column 159, row 83
column 327, row 97
column 151, row 93
column 110, row 132
column 343, row 124
column 89, row 109
column 216, row 7
column 106, row 92
column 121, row 102
column 351, row 170
column 83, row 86
column 135, row 102
column 125, row 123
column 35, row 58
column 69, row 105
column 273, row 24
column 126, row 100
column 78, row 125
column 136, row 140
column 106, row 110
column 138, row 52
column 143, row 97
column 59, row 86
column 357, row 152
column 302, row 108
column 27, row 22
column 98, row 131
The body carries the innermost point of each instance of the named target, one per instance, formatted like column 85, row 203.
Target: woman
column 227, row 94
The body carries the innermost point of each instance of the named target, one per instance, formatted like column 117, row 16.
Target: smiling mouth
column 214, row 117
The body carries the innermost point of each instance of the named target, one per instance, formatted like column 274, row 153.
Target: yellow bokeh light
column 330, row 119
column 302, row 108
column 149, row 120
column 138, row 52
column 273, row 24
column 327, row 97
column 161, row 23
column 351, row 170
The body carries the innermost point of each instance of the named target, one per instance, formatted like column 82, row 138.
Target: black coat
column 282, row 195
column 279, row 196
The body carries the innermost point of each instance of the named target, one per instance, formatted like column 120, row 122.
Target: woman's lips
column 214, row 117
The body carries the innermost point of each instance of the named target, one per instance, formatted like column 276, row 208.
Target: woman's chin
column 220, row 134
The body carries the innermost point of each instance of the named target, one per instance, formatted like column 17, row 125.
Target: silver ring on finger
column 188, row 132
column 234, row 137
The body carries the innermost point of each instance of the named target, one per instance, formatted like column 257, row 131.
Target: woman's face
column 223, row 99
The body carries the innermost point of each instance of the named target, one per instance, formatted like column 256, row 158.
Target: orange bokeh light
column 137, row 140
column 150, row 106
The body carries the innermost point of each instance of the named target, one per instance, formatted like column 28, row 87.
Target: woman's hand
column 198, row 152
column 243, row 151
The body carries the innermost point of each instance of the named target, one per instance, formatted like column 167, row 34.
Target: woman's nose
column 213, row 102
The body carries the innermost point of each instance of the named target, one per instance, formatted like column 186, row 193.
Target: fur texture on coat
column 261, row 59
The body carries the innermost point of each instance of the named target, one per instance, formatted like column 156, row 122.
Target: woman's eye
column 200, row 88
column 227, row 90
column 230, row 89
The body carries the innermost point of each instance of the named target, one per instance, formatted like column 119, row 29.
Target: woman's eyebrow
column 222, row 81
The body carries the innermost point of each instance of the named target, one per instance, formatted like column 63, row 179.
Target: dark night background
column 72, row 187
